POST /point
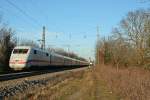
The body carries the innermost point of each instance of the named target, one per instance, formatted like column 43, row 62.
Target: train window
column 47, row 54
column 20, row 51
column 24, row 51
column 16, row 51
column 35, row 52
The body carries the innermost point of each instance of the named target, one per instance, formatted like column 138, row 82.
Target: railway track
column 18, row 86
column 11, row 76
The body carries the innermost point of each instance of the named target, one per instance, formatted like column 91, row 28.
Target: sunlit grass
column 129, row 83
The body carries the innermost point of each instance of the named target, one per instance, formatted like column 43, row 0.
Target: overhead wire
column 24, row 13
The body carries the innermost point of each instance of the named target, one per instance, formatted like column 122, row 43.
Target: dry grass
column 87, row 87
column 81, row 85
column 130, row 83
column 84, row 85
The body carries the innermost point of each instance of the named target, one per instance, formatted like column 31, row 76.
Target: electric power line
column 23, row 12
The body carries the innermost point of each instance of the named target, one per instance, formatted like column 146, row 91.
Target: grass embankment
column 85, row 85
column 99, row 83
column 129, row 83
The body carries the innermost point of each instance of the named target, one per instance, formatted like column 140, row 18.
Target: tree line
column 129, row 43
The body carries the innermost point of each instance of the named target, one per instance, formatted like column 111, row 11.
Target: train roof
column 23, row 47
column 30, row 47
column 39, row 49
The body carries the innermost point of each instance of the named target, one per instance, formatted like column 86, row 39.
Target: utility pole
column 43, row 38
column 98, row 50
column 68, row 47
column 98, row 36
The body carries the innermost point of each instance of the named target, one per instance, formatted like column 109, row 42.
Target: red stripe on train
column 29, row 61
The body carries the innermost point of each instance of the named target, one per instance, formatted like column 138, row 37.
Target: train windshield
column 20, row 51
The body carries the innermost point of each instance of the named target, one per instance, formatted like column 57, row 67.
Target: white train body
column 24, row 57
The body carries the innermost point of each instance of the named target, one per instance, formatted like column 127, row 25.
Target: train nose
column 17, row 65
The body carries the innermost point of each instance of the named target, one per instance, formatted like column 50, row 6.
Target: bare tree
column 133, row 31
column 130, row 41
column 7, row 43
column 65, row 53
column 25, row 42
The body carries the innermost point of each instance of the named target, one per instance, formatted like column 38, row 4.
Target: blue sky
column 68, row 22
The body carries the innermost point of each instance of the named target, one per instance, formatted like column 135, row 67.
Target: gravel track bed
column 12, row 87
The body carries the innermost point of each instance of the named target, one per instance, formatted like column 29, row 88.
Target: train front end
column 19, row 58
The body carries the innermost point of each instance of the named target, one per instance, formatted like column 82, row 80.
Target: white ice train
column 25, row 57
